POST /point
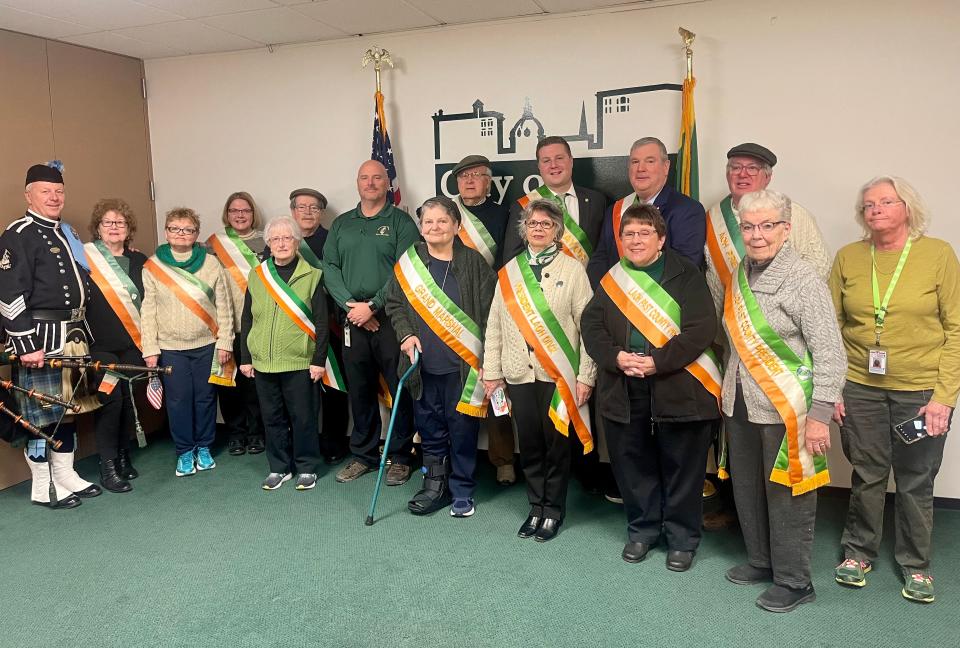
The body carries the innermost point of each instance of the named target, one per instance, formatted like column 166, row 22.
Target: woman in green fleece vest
column 283, row 344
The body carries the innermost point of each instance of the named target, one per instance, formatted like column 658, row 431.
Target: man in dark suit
column 584, row 206
column 686, row 219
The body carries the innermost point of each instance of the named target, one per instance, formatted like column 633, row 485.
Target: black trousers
column 544, row 452
column 239, row 405
column 369, row 356
column 445, row 432
column 289, row 403
column 335, row 416
column 113, row 420
column 659, row 469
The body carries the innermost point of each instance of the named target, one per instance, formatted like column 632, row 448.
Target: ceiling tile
column 113, row 42
column 204, row 8
column 277, row 25
column 101, row 15
column 35, row 25
column 366, row 16
column 558, row 6
column 191, row 37
column 464, row 12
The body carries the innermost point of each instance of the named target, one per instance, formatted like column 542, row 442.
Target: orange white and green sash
column 117, row 288
column 785, row 379
column 474, row 234
column 300, row 314
column 617, row 216
column 657, row 316
column 724, row 240
column 576, row 243
column 200, row 300
column 235, row 255
column 448, row 322
column 530, row 311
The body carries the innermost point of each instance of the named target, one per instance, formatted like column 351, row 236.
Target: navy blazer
column 591, row 203
column 686, row 233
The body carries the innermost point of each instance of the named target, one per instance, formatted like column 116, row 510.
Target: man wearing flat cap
column 483, row 228
column 749, row 169
column 43, row 294
column 307, row 208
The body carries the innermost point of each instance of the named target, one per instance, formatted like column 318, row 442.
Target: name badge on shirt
column 877, row 360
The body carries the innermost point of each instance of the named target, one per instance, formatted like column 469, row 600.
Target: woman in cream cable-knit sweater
column 186, row 316
column 542, row 271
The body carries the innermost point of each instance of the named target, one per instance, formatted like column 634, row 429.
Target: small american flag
column 155, row 392
column 383, row 151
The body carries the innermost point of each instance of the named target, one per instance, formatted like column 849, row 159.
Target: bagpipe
column 84, row 362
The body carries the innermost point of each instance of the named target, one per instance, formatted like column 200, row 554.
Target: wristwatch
column 372, row 305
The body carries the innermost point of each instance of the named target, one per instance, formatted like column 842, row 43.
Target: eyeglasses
column 189, row 231
column 883, row 204
column 237, row 212
column 750, row 169
column 765, row 227
column 636, row 234
column 119, row 224
column 308, row 209
column 466, row 175
column 544, row 225
column 273, row 240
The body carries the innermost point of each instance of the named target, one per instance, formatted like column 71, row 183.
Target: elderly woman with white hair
column 283, row 345
column 897, row 297
column 534, row 349
column 784, row 375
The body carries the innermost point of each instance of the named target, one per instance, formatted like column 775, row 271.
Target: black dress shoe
column 634, row 552
column 529, row 527
column 548, row 530
column 679, row 561
column 90, row 491
column 69, row 502
column 236, row 447
column 255, row 445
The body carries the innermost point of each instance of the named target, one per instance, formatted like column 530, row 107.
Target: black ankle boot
column 435, row 493
column 109, row 478
column 124, row 468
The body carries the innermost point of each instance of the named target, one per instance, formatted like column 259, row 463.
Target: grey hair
column 282, row 221
column 918, row 218
column 444, row 203
column 762, row 200
column 643, row 141
column 549, row 208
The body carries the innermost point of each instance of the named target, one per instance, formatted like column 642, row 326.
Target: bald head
column 372, row 185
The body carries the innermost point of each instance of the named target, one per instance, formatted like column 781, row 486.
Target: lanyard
column 880, row 308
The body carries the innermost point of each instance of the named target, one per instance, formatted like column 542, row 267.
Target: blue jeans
column 190, row 398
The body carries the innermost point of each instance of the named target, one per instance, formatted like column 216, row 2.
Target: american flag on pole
column 155, row 392
column 382, row 151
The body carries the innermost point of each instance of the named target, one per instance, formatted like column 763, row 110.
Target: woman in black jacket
column 116, row 291
column 438, row 302
column 647, row 327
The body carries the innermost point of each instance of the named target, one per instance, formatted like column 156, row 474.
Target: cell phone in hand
column 912, row 430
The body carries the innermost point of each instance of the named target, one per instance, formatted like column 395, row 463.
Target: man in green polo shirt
column 358, row 258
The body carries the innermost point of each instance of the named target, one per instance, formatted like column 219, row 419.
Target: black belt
column 68, row 315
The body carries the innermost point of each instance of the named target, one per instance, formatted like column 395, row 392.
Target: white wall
column 841, row 91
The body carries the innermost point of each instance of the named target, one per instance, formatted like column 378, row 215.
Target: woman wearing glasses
column 533, row 348
column 187, row 322
column 283, row 342
column 657, row 389
column 113, row 315
column 239, row 248
column 897, row 297
column 784, row 374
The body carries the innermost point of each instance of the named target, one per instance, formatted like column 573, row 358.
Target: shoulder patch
column 6, row 262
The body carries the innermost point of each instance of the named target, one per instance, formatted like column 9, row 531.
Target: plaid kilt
column 46, row 380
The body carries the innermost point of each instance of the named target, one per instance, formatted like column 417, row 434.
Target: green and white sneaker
column 919, row 588
column 852, row 572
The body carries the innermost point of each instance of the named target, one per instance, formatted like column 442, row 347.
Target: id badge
column 877, row 361
column 346, row 334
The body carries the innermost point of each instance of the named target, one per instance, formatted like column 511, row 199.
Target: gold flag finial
column 688, row 37
column 379, row 57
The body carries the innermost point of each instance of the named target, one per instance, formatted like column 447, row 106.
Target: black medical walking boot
column 435, row 492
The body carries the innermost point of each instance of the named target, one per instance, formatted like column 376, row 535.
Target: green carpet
column 212, row 560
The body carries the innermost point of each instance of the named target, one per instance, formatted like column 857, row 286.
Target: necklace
column 445, row 273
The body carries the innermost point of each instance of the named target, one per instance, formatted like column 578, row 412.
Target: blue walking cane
column 386, row 443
